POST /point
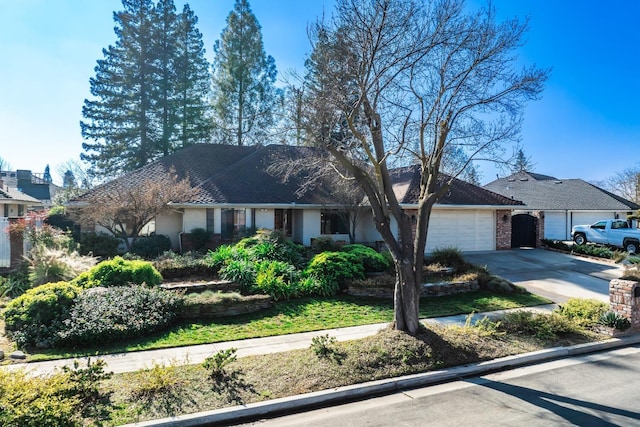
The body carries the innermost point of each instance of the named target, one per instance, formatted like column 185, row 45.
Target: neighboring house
column 235, row 191
column 557, row 204
column 31, row 184
column 13, row 206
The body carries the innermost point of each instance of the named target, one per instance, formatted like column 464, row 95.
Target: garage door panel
column 555, row 225
column 588, row 218
column 466, row 230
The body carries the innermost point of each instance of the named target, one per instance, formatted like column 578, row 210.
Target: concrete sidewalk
column 134, row 361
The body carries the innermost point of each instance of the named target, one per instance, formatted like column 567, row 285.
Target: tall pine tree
column 244, row 95
column 142, row 88
column 120, row 119
column 193, row 83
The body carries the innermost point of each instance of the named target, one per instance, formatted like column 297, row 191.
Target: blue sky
column 587, row 124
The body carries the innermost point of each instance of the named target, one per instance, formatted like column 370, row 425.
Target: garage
column 587, row 218
column 555, row 225
column 469, row 231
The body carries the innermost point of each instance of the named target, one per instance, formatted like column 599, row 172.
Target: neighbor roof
column 543, row 192
column 13, row 196
column 238, row 175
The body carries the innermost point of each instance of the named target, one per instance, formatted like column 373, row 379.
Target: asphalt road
column 595, row 390
column 554, row 275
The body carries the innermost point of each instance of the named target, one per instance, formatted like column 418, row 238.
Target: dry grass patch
column 385, row 355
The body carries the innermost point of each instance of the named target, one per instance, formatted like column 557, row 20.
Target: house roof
column 542, row 192
column 406, row 183
column 13, row 196
column 238, row 175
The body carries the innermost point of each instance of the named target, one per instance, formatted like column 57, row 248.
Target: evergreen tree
column 150, row 91
column 166, row 51
column 120, row 119
column 244, row 95
column 522, row 163
column 69, row 179
column 193, row 83
column 46, row 177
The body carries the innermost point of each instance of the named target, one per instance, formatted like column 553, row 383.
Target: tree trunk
column 406, row 299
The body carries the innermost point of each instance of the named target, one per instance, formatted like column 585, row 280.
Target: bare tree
column 125, row 210
column 4, row 165
column 410, row 81
column 625, row 184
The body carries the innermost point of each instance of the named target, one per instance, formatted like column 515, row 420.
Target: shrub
column 119, row 272
column 36, row 316
column 585, row 312
column 595, row 251
column 277, row 279
column 614, row 320
column 334, row 269
column 106, row 315
column 172, row 265
column 34, row 401
column 324, row 346
column 273, row 246
column 217, row 364
column 224, row 254
column 149, row 247
column 323, row 244
column 12, row 286
column 539, row 325
column 99, row 244
column 161, row 391
column 312, row 286
column 556, row 244
column 242, row 272
column 450, row 257
column 199, row 237
column 371, row 260
column 53, row 265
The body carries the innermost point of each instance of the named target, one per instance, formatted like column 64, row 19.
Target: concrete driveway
column 550, row 274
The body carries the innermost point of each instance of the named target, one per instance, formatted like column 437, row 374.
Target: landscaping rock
column 1, row 355
column 18, row 355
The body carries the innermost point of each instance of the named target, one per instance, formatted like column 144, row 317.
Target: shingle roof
column 406, row 182
column 237, row 175
column 11, row 195
column 542, row 192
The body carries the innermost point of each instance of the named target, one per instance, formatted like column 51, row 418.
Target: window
column 6, row 211
column 600, row 225
column 210, row 223
column 20, row 210
column 282, row 221
column 619, row 224
column 334, row 222
column 233, row 222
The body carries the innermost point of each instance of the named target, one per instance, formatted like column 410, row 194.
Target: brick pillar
column 503, row 229
column 624, row 299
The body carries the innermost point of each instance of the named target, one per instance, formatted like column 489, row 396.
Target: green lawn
column 304, row 315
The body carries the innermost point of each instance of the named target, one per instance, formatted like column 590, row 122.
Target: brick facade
column 503, row 229
column 624, row 299
column 540, row 228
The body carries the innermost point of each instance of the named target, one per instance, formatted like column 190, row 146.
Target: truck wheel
column 580, row 239
column 631, row 247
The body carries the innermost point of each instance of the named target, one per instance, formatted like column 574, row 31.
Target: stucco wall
column 264, row 218
column 170, row 225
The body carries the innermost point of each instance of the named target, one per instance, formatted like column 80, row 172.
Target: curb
column 380, row 387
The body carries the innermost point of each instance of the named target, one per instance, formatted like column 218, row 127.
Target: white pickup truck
column 612, row 232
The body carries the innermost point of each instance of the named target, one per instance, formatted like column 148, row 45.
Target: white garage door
column 588, row 218
column 555, row 225
column 465, row 230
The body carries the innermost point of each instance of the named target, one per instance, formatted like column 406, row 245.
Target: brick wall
column 503, row 229
column 540, row 230
column 623, row 301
